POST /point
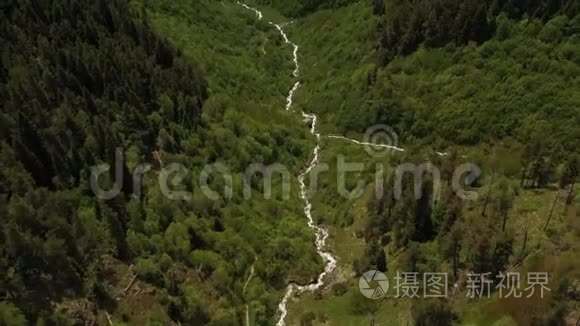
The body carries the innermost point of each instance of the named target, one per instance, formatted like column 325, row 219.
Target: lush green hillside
column 293, row 8
column 509, row 104
column 193, row 83
column 66, row 73
column 522, row 83
column 77, row 80
column 169, row 82
column 405, row 25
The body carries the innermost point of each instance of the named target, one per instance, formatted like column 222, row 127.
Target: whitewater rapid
column 320, row 233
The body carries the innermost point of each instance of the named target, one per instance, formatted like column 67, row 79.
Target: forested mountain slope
column 507, row 101
column 406, row 25
column 521, row 83
column 293, row 8
column 203, row 84
column 80, row 79
column 68, row 70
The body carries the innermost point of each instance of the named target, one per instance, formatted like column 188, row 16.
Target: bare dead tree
column 552, row 210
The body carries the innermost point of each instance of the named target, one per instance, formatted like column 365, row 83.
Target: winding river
column 320, row 233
